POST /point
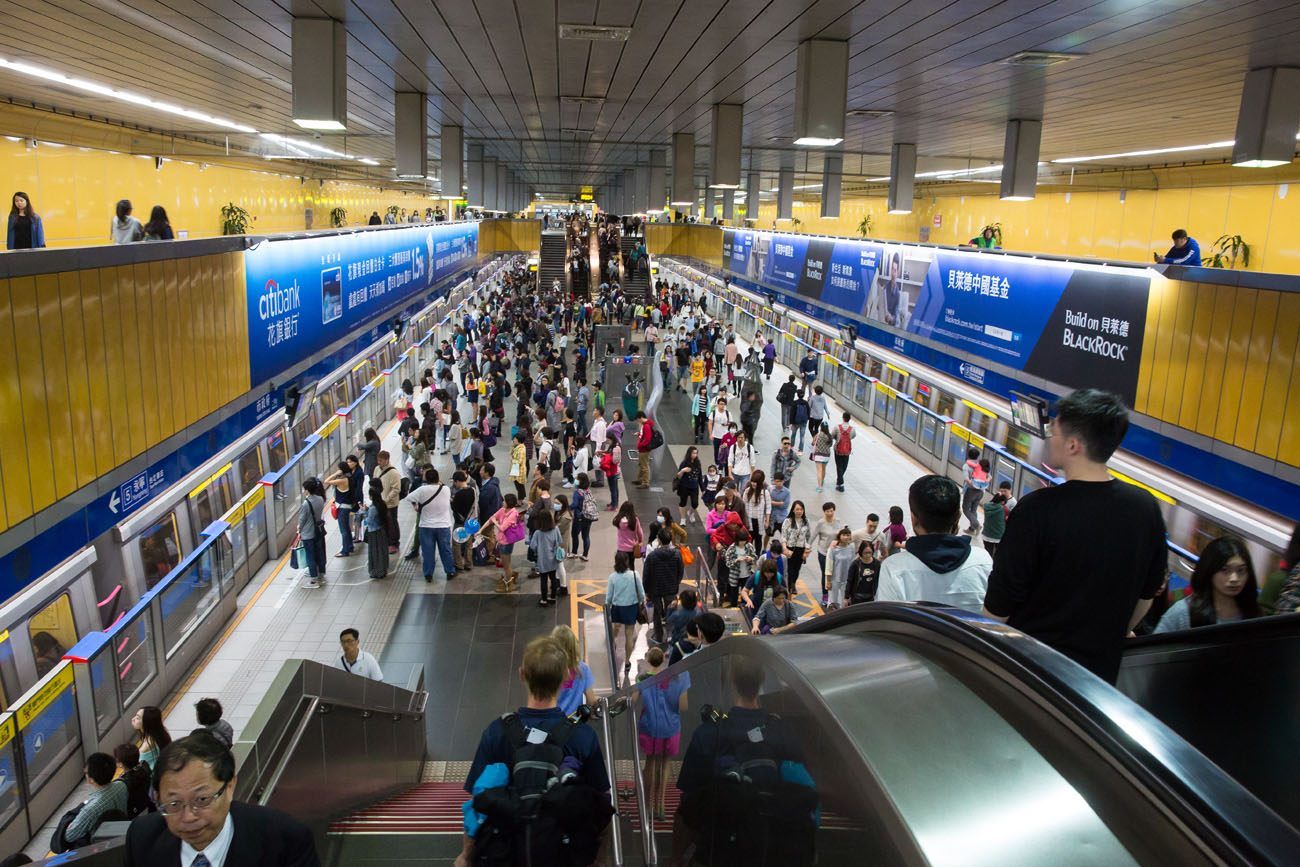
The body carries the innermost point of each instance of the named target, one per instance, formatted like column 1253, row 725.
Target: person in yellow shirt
column 697, row 370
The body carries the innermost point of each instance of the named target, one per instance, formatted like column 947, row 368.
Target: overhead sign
column 1075, row 324
column 306, row 293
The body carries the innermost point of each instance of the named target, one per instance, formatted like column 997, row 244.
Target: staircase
column 422, row 825
column 552, row 266
column 636, row 285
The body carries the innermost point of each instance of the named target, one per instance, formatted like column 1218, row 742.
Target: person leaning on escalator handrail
column 1223, row 589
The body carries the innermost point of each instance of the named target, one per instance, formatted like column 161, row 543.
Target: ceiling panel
column 1151, row 74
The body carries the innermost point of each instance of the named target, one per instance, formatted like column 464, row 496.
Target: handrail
column 602, row 709
column 284, row 750
column 649, row 850
column 709, row 587
column 1169, row 767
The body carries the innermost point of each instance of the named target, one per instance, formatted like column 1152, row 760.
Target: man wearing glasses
column 199, row 824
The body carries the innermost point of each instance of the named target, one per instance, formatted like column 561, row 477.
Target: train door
column 945, row 404
column 250, row 470
column 925, row 394
column 159, row 549
column 210, row 501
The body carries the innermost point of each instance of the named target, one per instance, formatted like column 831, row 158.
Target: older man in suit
column 199, row 824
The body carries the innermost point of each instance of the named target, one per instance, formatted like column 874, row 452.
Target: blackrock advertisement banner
column 1074, row 324
column 306, row 294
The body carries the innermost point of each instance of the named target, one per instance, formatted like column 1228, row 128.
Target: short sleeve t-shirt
column 494, row 747
column 659, row 703
column 574, row 690
column 1074, row 590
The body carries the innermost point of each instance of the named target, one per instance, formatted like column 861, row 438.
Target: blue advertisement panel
column 1075, row 324
column 306, row 293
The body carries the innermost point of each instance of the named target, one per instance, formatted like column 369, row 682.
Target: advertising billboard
column 305, row 294
column 1076, row 324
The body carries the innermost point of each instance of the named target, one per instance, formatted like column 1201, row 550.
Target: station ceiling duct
column 728, row 204
column 1020, row 160
column 710, row 201
column 683, row 195
column 902, row 177
column 452, row 169
column 832, row 180
column 490, row 183
column 752, row 188
column 475, row 194
column 724, row 151
column 821, row 92
column 320, row 74
column 1268, row 118
column 785, row 194
column 655, row 201
column 410, row 136
column 503, row 183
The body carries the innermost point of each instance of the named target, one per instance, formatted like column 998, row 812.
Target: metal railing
column 649, row 848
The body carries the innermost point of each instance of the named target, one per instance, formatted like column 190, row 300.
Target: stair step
column 428, row 808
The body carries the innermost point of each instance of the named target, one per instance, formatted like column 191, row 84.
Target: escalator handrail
column 649, row 849
column 1194, row 788
column 1221, row 634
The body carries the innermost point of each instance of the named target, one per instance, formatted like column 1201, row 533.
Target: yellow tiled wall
column 75, row 190
column 1086, row 223
column 499, row 236
column 100, row 368
column 680, row 239
column 1221, row 361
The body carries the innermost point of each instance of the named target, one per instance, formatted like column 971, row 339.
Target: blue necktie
column 200, row 860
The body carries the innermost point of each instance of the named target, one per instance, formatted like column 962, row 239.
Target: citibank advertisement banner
column 1075, row 324
column 306, row 294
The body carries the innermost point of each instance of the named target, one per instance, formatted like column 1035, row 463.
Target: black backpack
column 748, row 815
column 544, row 817
column 656, row 438
column 554, row 461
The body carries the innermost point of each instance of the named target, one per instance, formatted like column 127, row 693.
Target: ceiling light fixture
column 121, row 95
column 1147, row 153
column 869, row 112
column 595, row 32
column 814, row 142
column 1040, row 59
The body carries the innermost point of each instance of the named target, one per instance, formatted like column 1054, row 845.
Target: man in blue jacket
column 1185, row 251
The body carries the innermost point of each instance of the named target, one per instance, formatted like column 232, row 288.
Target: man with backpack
column 648, row 439
column 844, row 434
column 747, row 796
column 785, row 396
column 538, row 782
column 107, row 801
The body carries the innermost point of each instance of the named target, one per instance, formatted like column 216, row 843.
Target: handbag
column 298, row 553
column 334, row 509
column 642, row 616
column 688, row 559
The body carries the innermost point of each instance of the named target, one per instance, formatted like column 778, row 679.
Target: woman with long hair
column 159, row 228
column 26, row 232
column 631, row 535
column 125, row 229
column 376, row 525
column 758, row 505
column 1223, row 589
column 625, row 595
column 796, row 533
column 687, row 483
column 577, row 688
column 821, row 453
column 150, row 733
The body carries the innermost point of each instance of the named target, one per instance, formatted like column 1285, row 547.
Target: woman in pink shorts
column 659, row 727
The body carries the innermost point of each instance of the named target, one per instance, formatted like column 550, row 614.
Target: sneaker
column 584, row 558
column 542, row 603
column 819, row 489
column 839, row 488
column 567, row 485
column 311, row 584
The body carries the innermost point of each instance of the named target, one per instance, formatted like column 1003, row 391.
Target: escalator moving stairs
column 428, row 808
column 553, row 253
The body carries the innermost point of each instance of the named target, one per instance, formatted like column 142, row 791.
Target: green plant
column 1227, row 250
column 234, row 219
column 796, row 223
column 864, row 228
column 338, row 216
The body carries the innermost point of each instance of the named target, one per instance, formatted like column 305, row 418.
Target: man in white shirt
column 937, row 565
column 718, row 424
column 354, row 660
column 741, row 460
column 432, row 504
column 875, row 534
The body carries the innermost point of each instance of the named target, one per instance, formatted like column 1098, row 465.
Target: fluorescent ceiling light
column 724, row 186
column 302, row 145
column 900, row 211
column 330, row 125
column 121, row 95
column 1148, row 153
column 814, row 142
column 956, row 173
column 369, row 162
column 1017, row 198
column 1261, row 164
column 682, row 204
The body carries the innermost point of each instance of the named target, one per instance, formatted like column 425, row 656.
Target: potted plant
column 234, row 219
column 338, row 216
column 864, row 227
column 796, row 223
column 1227, row 250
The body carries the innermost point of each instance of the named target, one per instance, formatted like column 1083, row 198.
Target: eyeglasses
column 198, row 805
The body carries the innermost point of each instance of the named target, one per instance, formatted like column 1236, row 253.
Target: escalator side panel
column 1234, row 694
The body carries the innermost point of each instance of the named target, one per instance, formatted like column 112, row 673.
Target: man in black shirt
column 1080, row 563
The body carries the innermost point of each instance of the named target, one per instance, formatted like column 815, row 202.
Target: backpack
column 759, row 806
column 554, row 462
column 843, row 439
column 543, row 816
column 656, row 438
column 799, row 412
column 489, row 434
column 587, row 508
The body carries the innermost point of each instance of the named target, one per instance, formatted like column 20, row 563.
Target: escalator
column 919, row 735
